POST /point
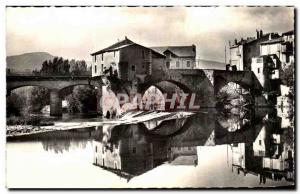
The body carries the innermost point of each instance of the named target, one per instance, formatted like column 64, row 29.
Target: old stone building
column 127, row 151
column 266, row 55
column 178, row 57
column 242, row 52
column 126, row 60
column 275, row 55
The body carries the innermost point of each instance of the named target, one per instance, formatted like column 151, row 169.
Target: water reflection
column 60, row 141
column 258, row 144
column 270, row 156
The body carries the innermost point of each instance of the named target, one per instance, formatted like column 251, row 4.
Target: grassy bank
column 30, row 120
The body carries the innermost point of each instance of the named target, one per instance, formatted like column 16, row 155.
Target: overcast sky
column 77, row 32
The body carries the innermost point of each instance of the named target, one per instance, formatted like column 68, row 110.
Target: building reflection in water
column 129, row 150
column 259, row 145
column 270, row 155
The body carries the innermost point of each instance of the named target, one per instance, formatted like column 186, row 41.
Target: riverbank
column 128, row 118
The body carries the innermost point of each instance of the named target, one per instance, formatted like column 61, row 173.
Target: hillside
column 206, row 64
column 27, row 61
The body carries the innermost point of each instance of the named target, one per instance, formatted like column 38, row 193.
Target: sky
column 78, row 32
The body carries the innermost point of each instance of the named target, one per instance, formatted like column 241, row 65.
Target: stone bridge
column 56, row 84
column 205, row 84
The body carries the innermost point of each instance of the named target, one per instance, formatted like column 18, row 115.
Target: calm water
column 206, row 150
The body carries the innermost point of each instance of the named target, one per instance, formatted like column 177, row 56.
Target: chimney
column 260, row 33
column 270, row 36
column 194, row 48
column 125, row 37
column 257, row 34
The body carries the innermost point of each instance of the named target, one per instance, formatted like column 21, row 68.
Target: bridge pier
column 55, row 103
column 99, row 98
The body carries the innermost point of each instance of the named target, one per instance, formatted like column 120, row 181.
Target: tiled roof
column 180, row 51
column 272, row 41
column 288, row 32
column 252, row 39
column 122, row 44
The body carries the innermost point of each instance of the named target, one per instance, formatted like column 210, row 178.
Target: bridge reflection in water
column 257, row 143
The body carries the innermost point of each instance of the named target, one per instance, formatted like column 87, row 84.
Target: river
column 205, row 150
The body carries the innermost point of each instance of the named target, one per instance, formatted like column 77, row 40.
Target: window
column 188, row 63
column 95, row 58
column 259, row 60
column 96, row 149
column 177, row 63
column 95, row 68
column 168, row 64
column 102, row 56
column 133, row 67
column 134, row 150
column 143, row 54
column 114, row 54
column 287, row 58
column 258, row 70
column 259, row 142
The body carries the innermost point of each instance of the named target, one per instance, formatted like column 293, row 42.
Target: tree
column 39, row 97
column 58, row 66
column 82, row 100
column 66, row 67
column 14, row 105
column 287, row 76
column 78, row 67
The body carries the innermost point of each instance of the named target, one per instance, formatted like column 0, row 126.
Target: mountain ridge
column 27, row 61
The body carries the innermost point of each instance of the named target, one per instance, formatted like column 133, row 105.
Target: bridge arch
column 168, row 128
column 233, row 94
column 11, row 89
column 245, row 79
column 68, row 89
column 90, row 101
column 17, row 99
column 170, row 89
column 153, row 99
